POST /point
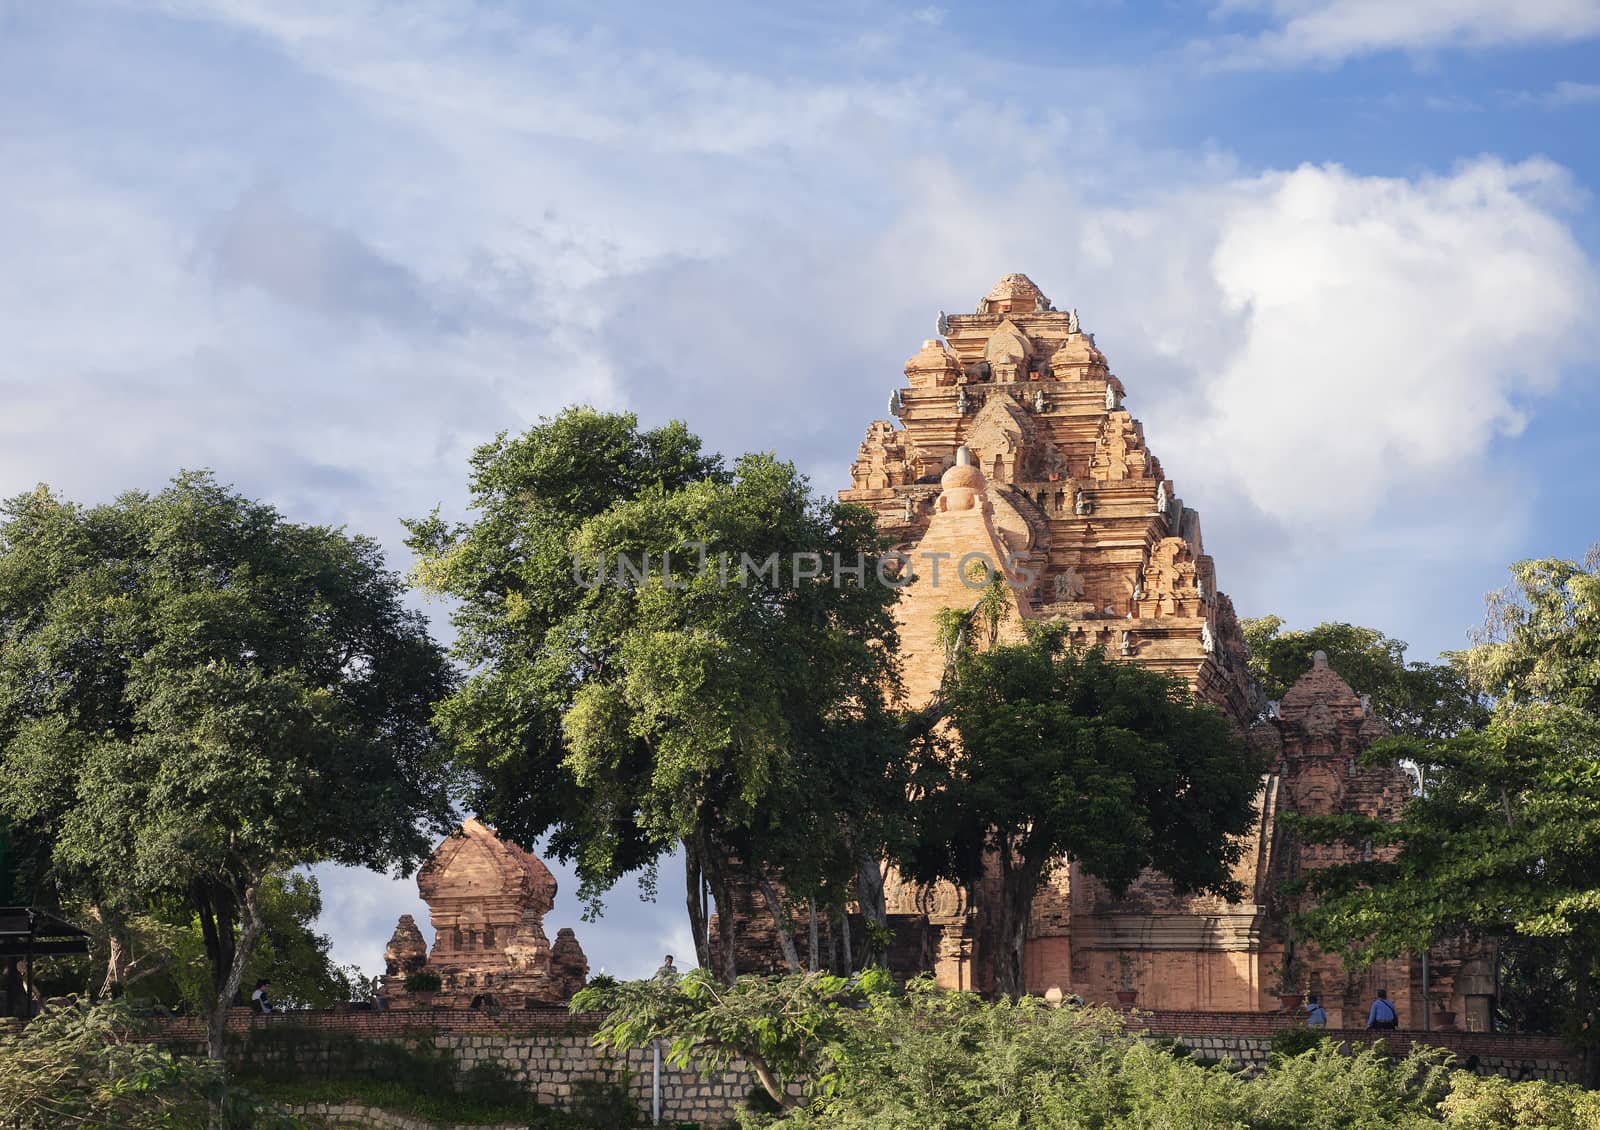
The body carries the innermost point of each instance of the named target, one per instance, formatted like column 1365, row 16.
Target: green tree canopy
column 650, row 669
column 1504, row 841
column 1066, row 755
column 1424, row 699
column 196, row 694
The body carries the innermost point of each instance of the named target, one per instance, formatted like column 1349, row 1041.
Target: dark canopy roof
column 25, row 931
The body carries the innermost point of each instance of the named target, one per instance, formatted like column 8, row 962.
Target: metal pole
column 27, row 993
column 655, row 1083
column 1426, row 1022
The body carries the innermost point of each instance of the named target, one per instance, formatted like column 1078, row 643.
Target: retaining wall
column 1246, row 1039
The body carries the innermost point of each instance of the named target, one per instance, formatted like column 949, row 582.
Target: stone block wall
column 548, row 1051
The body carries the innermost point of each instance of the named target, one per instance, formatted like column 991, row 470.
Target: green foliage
column 1493, row 1103
column 623, row 711
column 423, row 982
column 875, row 1059
column 1332, row 1087
column 603, row 1104
column 1066, row 755
column 1505, row 840
column 1291, row 1042
column 77, row 1065
column 196, row 694
column 1420, row 699
column 445, row 1108
column 781, row 1026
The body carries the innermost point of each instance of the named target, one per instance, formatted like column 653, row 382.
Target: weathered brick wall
column 1246, row 1038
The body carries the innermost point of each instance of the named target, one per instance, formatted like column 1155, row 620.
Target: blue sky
column 1341, row 252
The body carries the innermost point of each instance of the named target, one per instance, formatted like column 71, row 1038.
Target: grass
column 399, row 1099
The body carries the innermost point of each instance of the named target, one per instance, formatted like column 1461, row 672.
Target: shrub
column 423, row 982
column 1499, row 1104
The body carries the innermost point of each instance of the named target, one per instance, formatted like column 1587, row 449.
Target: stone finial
column 568, row 964
column 407, row 951
column 528, row 951
column 1319, row 660
column 1014, row 293
column 962, row 485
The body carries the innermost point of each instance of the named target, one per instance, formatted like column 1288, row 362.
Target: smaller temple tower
column 487, row 898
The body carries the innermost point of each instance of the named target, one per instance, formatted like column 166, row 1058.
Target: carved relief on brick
column 1007, row 353
column 933, row 365
column 1119, row 451
column 1168, row 582
column 881, row 460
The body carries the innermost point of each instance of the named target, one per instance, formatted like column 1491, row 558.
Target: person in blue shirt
column 1382, row 1013
column 1316, row 1015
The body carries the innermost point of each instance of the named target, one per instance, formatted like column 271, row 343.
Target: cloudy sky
column 1343, row 253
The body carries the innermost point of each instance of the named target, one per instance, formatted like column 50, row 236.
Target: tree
column 196, row 695
column 1064, row 755
column 660, row 657
column 77, row 1065
column 1504, row 840
column 782, row 1027
column 1423, row 699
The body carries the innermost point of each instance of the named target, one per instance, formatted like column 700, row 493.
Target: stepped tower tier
column 1074, row 493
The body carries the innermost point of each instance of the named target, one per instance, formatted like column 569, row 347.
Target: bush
column 82, row 1065
column 1331, row 1086
column 423, row 982
column 1290, row 1042
column 1499, row 1104
column 940, row 1060
column 599, row 1103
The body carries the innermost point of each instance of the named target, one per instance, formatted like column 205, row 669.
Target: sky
column 1342, row 253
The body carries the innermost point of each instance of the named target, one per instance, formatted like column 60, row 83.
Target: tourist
column 1382, row 1013
column 668, row 971
column 258, row 999
column 1316, row 1015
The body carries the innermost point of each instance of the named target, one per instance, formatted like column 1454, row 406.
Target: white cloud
column 1388, row 330
column 1330, row 31
column 1562, row 96
column 498, row 218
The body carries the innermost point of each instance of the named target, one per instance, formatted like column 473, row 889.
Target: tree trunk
column 1588, row 1025
column 714, row 862
column 217, row 1023
column 874, row 912
column 844, row 939
column 811, row 906
column 769, row 1081
column 695, row 896
column 216, row 906
column 769, row 895
column 1019, row 882
column 116, row 928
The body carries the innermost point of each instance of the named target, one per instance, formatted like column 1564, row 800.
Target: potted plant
column 1444, row 1017
column 1127, row 994
column 421, row 986
column 1291, row 976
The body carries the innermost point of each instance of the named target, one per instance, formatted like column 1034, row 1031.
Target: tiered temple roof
column 1074, row 494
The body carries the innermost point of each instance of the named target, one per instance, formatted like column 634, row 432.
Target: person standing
column 1316, row 1015
column 668, row 971
column 259, row 1000
column 1382, row 1013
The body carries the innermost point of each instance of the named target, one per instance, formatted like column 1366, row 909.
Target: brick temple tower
column 1076, row 497
column 1010, row 440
